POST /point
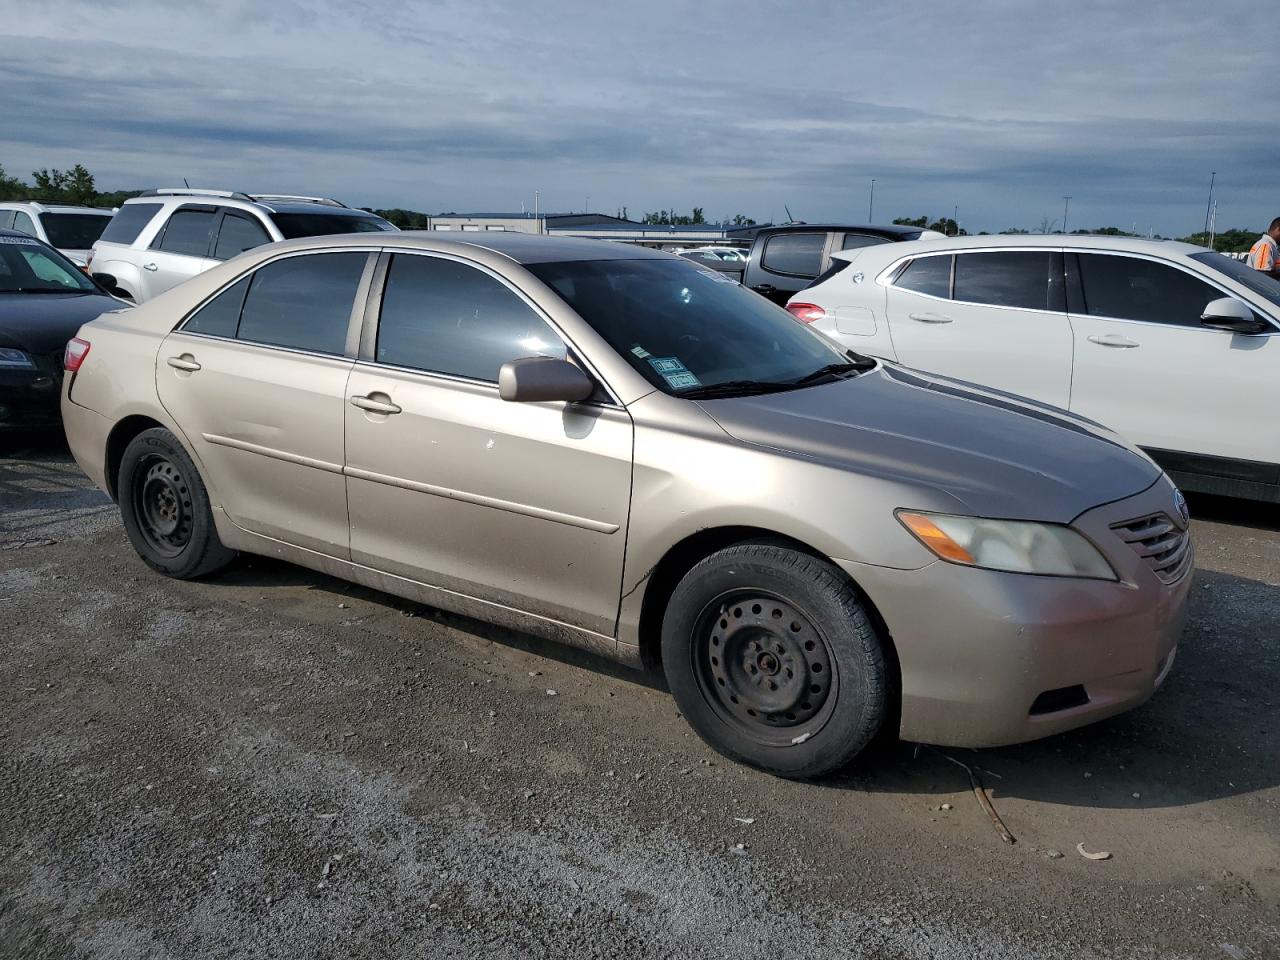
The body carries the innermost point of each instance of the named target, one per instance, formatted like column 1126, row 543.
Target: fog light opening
column 1063, row 698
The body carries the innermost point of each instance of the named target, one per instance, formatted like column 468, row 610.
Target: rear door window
column 795, row 254
column 188, row 232
column 927, row 275
column 446, row 317
column 129, row 221
column 1130, row 288
column 303, row 302
column 6, row 219
column 1012, row 278
column 238, row 233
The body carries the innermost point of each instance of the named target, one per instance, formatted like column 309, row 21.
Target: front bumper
column 993, row 658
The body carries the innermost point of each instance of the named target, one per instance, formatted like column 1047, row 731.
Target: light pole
column 871, row 203
column 1066, row 205
column 1213, row 174
column 955, row 218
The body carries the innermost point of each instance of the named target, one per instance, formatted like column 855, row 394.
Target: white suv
column 70, row 229
column 164, row 236
column 1173, row 346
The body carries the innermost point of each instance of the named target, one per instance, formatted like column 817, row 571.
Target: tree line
column 77, row 186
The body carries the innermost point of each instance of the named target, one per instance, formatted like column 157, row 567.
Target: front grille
column 1159, row 541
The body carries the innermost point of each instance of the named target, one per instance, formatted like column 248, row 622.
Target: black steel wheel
column 165, row 507
column 763, row 666
column 773, row 661
column 162, row 503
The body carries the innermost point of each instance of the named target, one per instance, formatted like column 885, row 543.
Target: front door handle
column 185, row 362
column 764, row 288
column 1114, row 340
column 150, row 266
column 930, row 317
column 375, row 406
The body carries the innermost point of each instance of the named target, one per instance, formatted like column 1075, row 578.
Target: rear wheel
column 772, row 659
column 165, row 508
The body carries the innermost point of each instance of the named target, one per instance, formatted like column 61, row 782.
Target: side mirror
column 543, row 379
column 1235, row 316
column 105, row 280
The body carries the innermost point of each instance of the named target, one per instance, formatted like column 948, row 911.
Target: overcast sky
column 1000, row 108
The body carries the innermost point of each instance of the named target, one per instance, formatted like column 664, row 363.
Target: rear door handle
column 1113, row 340
column 764, row 288
column 930, row 317
column 374, row 406
column 150, row 266
column 184, row 362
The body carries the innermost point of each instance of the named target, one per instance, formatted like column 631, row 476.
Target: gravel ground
column 271, row 763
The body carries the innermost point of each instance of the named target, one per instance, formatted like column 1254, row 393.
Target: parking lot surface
column 272, row 763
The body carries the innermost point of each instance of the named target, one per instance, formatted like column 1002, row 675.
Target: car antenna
column 790, row 218
column 185, row 184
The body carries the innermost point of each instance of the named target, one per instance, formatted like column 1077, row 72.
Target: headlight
column 11, row 359
column 1015, row 546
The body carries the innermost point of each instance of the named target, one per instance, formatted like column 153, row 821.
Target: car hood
column 44, row 322
column 999, row 455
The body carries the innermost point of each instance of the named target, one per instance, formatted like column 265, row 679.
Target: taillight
column 88, row 261
column 806, row 312
column 77, row 350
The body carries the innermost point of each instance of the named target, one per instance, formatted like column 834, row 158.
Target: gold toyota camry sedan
column 614, row 448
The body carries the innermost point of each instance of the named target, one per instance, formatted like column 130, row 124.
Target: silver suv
column 69, row 228
column 164, row 236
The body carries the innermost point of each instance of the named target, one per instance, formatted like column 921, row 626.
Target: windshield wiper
column 861, row 365
column 735, row 388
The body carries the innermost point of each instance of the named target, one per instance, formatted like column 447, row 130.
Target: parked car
column 70, row 229
column 711, row 260
column 44, row 300
column 611, row 447
column 1173, row 346
column 165, row 236
column 727, row 254
column 786, row 259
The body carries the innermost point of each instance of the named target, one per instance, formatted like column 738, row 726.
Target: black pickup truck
column 788, row 258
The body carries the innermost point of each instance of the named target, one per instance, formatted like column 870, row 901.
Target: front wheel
column 772, row 659
column 165, row 508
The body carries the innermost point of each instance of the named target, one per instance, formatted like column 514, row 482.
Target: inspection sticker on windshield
column 717, row 276
column 640, row 351
column 674, row 372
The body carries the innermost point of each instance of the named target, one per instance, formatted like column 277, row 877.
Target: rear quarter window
column 129, row 221
column 795, row 254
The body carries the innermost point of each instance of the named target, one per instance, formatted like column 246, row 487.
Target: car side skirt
column 440, row 598
column 1223, row 476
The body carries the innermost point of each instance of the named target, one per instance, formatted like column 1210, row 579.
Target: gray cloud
column 999, row 107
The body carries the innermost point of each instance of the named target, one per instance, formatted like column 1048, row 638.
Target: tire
column 165, row 508
column 773, row 661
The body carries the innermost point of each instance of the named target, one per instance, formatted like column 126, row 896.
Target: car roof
column 276, row 206
column 25, row 236
column 47, row 206
column 878, row 229
column 1074, row 241
column 523, row 248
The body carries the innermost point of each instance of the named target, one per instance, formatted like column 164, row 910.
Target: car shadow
column 262, row 572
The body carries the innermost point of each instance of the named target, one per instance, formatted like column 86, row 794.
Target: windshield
column 687, row 329
column 73, row 231
column 1264, row 286
column 27, row 266
column 318, row 224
